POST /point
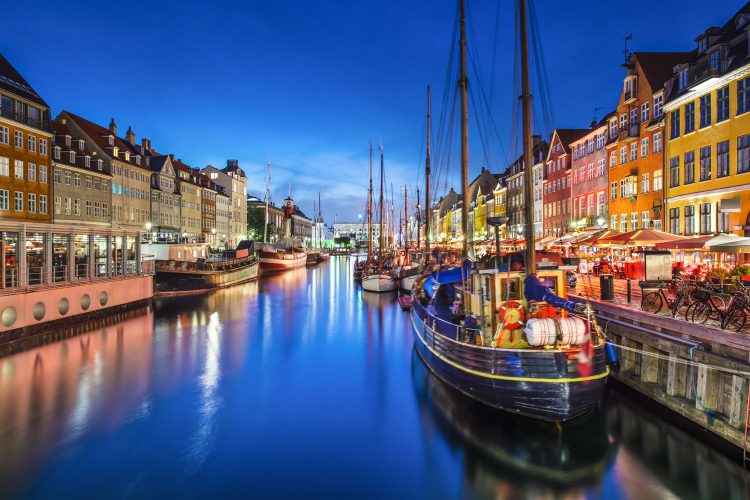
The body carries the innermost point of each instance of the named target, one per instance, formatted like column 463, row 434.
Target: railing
column 630, row 94
column 633, row 131
column 82, row 271
column 11, row 277
column 59, row 273
column 212, row 266
column 701, row 73
column 16, row 115
column 35, row 275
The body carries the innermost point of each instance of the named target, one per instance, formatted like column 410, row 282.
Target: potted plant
column 719, row 275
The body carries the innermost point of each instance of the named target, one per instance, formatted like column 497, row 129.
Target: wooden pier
column 698, row 371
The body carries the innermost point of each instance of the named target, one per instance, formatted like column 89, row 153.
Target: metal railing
column 12, row 113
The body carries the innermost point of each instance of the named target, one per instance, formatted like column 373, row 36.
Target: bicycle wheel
column 675, row 306
column 735, row 320
column 651, row 302
column 699, row 312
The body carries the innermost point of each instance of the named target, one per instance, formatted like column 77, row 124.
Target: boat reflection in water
column 508, row 454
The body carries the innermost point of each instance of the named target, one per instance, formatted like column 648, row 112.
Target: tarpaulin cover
column 438, row 278
column 535, row 290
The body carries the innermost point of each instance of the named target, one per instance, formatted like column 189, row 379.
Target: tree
column 255, row 221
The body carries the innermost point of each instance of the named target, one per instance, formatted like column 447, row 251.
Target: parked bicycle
column 732, row 314
column 655, row 300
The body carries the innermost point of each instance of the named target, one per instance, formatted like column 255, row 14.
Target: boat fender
column 512, row 315
column 613, row 357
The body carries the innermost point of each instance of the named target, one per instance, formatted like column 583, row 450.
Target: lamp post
column 496, row 222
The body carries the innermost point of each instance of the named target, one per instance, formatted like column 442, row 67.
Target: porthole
column 63, row 306
column 85, row 301
column 103, row 298
column 9, row 316
column 39, row 311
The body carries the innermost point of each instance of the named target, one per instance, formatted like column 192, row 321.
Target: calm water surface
column 303, row 386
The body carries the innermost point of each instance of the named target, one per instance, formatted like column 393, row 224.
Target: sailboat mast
column 369, row 212
column 419, row 221
column 406, row 223
column 319, row 221
column 530, row 257
column 393, row 220
column 463, row 83
column 427, row 183
column 381, row 209
column 268, row 195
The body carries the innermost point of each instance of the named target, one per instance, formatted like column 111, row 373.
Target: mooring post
column 630, row 291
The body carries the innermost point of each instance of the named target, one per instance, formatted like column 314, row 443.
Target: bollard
column 630, row 291
column 607, row 287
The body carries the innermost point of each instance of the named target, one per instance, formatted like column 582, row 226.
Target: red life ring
column 512, row 315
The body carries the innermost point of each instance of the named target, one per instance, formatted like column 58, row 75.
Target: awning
column 445, row 277
column 639, row 238
column 700, row 243
column 738, row 245
column 593, row 239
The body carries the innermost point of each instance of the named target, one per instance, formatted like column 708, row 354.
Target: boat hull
column 407, row 283
column 537, row 383
column 192, row 281
column 379, row 283
column 276, row 261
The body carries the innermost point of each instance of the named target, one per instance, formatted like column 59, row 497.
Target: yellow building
column 707, row 160
column 500, row 195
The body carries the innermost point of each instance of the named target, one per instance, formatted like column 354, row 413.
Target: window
column 590, row 145
column 658, row 104
column 633, row 151
column 713, row 61
column 623, row 222
column 58, row 205
column 674, row 220
column 645, row 183
column 600, row 167
column 591, row 172
column 77, row 180
column 67, row 177
column 43, row 146
column 4, row 166
column 613, row 191
column 743, row 154
column 613, row 128
column 18, row 201
column 674, row 123
column 4, row 199
column 32, row 143
column 705, row 163
column 601, row 203
column 87, row 161
column 97, row 183
column 623, row 155
column 57, row 152
column 97, row 209
column 600, row 141
column 644, row 147
column 743, row 95
column 43, row 174
column 682, row 78
column 674, row 171
column 645, row 218
column 705, row 110
column 689, row 117
column 18, row 139
column 634, row 221
column 704, row 221
column 32, row 203
column 645, row 112
column 722, row 159
column 613, row 222
column 657, row 143
column 689, row 220
column 623, row 122
column 18, row 169
column 613, row 159
column 722, row 104
column 88, row 182
column 68, row 205
column 722, row 221
column 42, row 203
column 76, row 207
column 31, row 172
column 73, row 157
column 4, row 136
column 689, row 167
column 89, row 212
column 58, row 176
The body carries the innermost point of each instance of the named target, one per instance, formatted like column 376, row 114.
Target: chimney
column 130, row 136
column 146, row 145
column 171, row 156
column 233, row 163
column 112, row 126
column 593, row 123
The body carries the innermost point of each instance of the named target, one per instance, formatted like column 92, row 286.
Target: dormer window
column 87, row 161
column 631, row 87
column 702, row 45
column 127, row 156
column 81, row 144
column 713, row 61
column 137, row 159
column 111, row 140
column 72, row 157
column 99, row 165
column 115, row 152
column 57, row 152
column 682, row 78
column 67, row 140
column 658, row 104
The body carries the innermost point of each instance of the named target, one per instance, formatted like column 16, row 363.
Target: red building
column 557, row 181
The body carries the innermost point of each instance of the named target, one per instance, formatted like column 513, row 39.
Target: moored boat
column 379, row 282
column 275, row 257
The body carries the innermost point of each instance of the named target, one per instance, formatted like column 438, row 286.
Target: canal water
column 303, row 386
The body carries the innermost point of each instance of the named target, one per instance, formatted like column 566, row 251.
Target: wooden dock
column 700, row 372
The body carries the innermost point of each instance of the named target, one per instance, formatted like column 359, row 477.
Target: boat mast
column 268, row 195
column 369, row 213
column 381, row 243
column 530, row 257
column 319, row 220
column 406, row 224
column 419, row 221
column 393, row 221
column 427, row 183
column 463, row 83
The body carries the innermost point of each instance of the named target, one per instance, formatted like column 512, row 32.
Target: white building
column 234, row 181
column 356, row 230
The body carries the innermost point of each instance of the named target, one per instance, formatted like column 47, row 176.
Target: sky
column 310, row 84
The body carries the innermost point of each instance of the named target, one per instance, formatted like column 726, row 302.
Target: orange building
column 25, row 139
column 636, row 156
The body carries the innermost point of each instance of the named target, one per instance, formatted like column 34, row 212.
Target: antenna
column 596, row 108
column 625, row 50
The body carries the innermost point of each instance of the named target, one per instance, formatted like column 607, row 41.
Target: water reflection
column 302, row 385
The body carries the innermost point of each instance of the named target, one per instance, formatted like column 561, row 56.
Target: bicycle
column 728, row 314
column 654, row 301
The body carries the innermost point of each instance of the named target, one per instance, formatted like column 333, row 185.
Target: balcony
column 701, row 73
column 13, row 114
column 630, row 96
column 630, row 133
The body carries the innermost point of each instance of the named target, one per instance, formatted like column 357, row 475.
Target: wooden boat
column 274, row 258
column 379, row 282
column 201, row 275
column 312, row 258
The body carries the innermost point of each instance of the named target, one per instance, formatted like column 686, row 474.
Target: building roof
column 12, row 81
column 657, row 67
column 61, row 129
column 569, row 135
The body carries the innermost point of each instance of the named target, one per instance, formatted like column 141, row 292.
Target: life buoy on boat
column 512, row 315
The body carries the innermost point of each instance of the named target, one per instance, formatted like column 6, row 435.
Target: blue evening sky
column 311, row 83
